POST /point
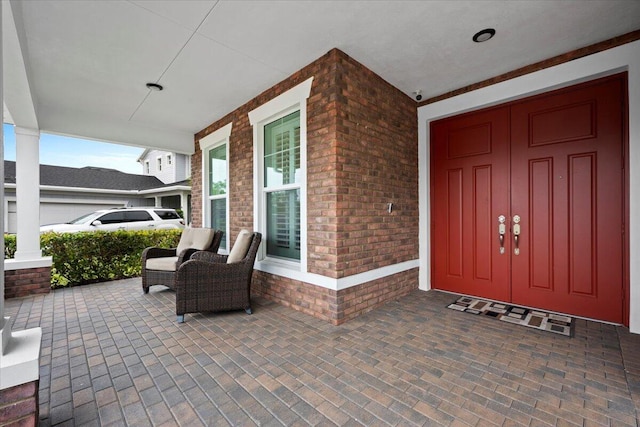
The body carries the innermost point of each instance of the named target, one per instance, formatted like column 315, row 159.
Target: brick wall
column 362, row 153
column 376, row 164
column 19, row 405
column 335, row 307
column 21, row 283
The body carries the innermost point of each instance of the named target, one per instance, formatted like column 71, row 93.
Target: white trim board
column 337, row 284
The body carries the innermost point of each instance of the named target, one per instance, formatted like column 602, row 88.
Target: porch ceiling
column 84, row 64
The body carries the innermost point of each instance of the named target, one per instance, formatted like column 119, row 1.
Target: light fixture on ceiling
column 154, row 86
column 484, row 35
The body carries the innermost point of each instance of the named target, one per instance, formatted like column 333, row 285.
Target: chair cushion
column 164, row 263
column 240, row 247
column 195, row 238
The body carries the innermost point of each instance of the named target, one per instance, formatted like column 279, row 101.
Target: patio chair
column 159, row 265
column 214, row 282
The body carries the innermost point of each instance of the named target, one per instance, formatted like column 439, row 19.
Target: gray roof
column 87, row 177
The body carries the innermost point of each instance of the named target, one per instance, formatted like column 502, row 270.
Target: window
column 167, row 214
column 147, row 167
column 159, row 164
column 215, row 148
column 112, row 218
column 169, row 160
column 218, row 190
column 282, row 186
column 135, row 216
column 279, row 128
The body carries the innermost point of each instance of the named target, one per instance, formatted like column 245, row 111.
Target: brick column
column 23, row 282
column 19, row 405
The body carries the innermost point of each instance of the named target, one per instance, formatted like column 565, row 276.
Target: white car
column 121, row 219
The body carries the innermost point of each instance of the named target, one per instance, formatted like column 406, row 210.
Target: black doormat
column 556, row 323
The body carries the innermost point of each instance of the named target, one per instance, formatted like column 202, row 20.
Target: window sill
column 273, row 265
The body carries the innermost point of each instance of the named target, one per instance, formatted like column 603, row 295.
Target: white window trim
column 147, row 167
column 213, row 140
column 169, row 159
column 290, row 101
column 159, row 164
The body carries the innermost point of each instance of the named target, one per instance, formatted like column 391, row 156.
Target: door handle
column 516, row 234
column 502, row 229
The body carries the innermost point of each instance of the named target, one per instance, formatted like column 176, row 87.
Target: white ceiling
column 85, row 63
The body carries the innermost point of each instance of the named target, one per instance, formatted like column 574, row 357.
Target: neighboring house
column 167, row 167
column 67, row 193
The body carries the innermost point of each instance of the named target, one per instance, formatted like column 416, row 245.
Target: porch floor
column 113, row 356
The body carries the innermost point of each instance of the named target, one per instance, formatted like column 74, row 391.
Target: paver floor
column 113, row 356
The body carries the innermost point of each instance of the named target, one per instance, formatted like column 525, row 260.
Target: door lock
column 502, row 229
column 516, row 234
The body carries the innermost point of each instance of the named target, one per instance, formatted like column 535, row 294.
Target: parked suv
column 121, row 219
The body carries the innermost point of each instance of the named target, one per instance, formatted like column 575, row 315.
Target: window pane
column 218, row 170
column 138, row 216
column 112, row 218
column 283, row 224
column 219, row 219
column 167, row 214
column 282, row 151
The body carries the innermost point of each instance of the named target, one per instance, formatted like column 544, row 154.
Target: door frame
column 612, row 61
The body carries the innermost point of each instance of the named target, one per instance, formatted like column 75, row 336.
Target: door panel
column 541, row 223
column 470, row 192
column 555, row 161
column 567, row 179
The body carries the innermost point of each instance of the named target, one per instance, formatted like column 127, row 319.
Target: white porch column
column 28, row 194
column 19, row 351
column 183, row 206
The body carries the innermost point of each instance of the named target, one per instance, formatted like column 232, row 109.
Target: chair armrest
column 155, row 252
column 185, row 255
column 197, row 276
column 210, row 257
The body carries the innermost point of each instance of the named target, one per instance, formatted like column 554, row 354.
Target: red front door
column 470, row 191
column 554, row 164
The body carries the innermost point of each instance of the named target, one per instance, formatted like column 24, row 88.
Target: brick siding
column 333, row 306
column 362, row 153
column 30, row 281
column 19, row 405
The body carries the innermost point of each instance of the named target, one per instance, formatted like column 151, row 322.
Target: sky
column 73, row 152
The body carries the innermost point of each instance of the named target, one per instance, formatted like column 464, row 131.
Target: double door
column 527, row 201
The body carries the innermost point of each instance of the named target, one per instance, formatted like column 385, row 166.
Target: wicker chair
column 213, row 282
column 159, row 265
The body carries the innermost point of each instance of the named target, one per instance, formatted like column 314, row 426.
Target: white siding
column 178, row 170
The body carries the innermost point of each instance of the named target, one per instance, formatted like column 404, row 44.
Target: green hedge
column 88, row 257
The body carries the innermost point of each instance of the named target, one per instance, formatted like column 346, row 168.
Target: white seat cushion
column 195, row 238
column 240, row 247
column 164, row 263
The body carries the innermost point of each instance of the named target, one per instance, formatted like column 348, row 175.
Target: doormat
column 536, row 319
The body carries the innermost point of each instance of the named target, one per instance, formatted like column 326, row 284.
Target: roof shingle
column 87, row 177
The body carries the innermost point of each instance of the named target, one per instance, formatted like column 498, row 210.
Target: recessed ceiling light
column 154, row 86
column 484, row 35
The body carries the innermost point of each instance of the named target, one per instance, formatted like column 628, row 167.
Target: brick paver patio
column 113, row 356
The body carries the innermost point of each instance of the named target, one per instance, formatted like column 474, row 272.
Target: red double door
column 527, row 201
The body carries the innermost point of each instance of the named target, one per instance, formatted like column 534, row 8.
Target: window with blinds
column 282, row 186
column 218, row 190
